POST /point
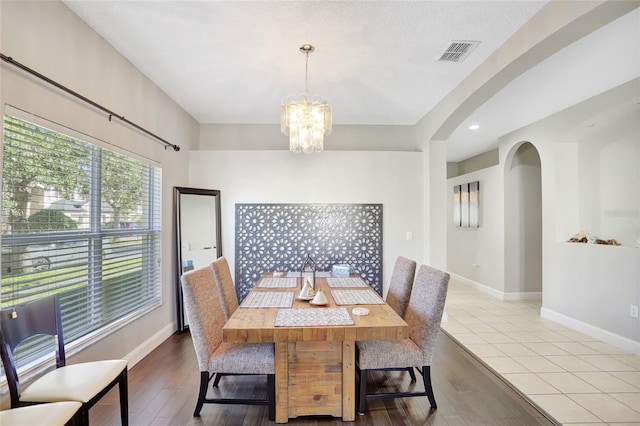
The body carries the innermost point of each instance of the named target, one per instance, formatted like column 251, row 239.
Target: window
column 79, row 220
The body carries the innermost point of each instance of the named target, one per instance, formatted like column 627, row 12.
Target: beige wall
column 476, row 254
column 392, row 179
column 343, row 138
column 587, row 286
column 47, row 37
column 588, row 162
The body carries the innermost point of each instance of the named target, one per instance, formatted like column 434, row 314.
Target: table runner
column 346, row 282
column 356, row 297
column 278, row 283
column 268, row 299
column 309, row 317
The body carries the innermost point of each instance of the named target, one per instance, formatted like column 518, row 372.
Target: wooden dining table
column 314, row 345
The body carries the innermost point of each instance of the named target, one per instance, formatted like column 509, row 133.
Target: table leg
column 282, row 382
column 348, row 381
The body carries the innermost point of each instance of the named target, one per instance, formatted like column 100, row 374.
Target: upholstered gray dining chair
column 424, row 314
column 226, row 288
column 399, row 292
column 400, row 285
column 228, row 295
column 206, row 319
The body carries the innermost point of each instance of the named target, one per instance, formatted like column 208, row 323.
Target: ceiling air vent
column 458, row 50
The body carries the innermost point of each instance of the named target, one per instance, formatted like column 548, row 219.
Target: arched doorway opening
column 523, row 223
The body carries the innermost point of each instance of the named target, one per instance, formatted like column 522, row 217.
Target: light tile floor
column 574, row 378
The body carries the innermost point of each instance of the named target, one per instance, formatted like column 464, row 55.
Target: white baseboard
column 532, row 295
column 149, row 345
column 511, row 296
column 616, row 340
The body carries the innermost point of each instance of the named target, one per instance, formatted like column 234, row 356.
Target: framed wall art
column 466, row 205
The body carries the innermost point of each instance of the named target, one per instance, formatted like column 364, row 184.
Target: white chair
column 423, row 316
column 50, row 414
column 85, row 382
column 206, row 319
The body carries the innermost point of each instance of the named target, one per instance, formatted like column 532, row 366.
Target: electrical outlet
column 633, row 311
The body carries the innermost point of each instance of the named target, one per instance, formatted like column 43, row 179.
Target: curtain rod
column 23, row 67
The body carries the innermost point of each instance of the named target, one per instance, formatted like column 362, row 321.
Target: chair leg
column 362, row 400
column 426, row 378
column 204, row 381
column 217, row 380
column 84, row 415
column 76, row 420
column 271, row 395
column 220, row 375
column 412, row 374
column 123, row 388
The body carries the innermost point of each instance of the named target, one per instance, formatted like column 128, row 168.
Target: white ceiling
column 376, row 61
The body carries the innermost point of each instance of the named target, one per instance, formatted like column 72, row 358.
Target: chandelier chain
column 306, row 72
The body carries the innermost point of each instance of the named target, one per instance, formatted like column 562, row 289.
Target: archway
column 523, row 223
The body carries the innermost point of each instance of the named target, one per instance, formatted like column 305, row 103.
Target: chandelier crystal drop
column 304, row 118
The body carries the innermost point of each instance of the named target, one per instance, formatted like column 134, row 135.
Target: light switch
column 409, row 235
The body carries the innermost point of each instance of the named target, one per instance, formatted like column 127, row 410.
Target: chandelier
column 305, row 118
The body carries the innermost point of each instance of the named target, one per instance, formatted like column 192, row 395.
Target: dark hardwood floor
column 163, row 391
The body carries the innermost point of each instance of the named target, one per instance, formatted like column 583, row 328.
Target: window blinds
column 79, row 220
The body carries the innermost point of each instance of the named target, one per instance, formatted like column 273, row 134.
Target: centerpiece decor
column 308, row 272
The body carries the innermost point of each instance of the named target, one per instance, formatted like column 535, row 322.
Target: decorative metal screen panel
column 278, row 237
